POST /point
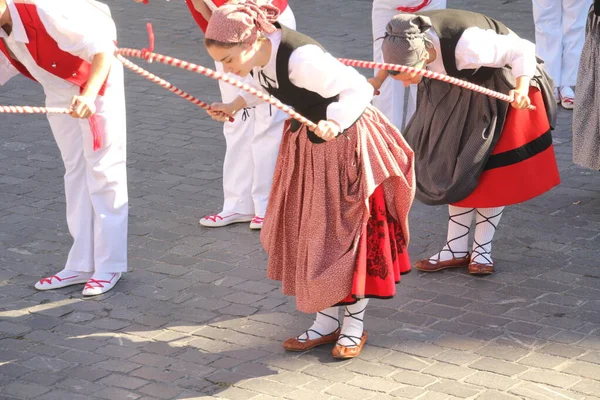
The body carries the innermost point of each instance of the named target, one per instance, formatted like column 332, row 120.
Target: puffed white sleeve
column 317, row 71
column 485, row 48
column 83, row 28
column 7, row 70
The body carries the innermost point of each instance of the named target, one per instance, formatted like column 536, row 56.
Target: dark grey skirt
column 586, row 114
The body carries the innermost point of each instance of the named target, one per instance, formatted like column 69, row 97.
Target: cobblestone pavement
column 196, row 317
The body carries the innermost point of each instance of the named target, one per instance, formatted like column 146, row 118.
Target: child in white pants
column 68, row 47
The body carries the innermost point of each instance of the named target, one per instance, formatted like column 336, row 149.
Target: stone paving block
column 582, row 369
column 448, row 371
column 294, row 379
column 457, row 357
column 160, row 391
column 111, row 393
column 25, row 390
column 330, row 373
column 414, row 378
column 125, row 382
column 58, row 394
column 591, row 357
column 548, row 377
column 370, row 369
column 419, row 349
column 588, row 387
column 562, row 350
column 542, row 361
column 156, row 374
column 374, row 384
column 266, row 386
column 406, row 361
column 495, row 395
column 51, row 365
column 349, row 392
column 302, row 394
column 502, row 352
column 497, row 366
column 408, row 392
column 455, row 389
column 533, row 391
column 491, row 380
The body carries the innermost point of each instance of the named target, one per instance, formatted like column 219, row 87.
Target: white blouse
column 317, row 71
column 485, row 48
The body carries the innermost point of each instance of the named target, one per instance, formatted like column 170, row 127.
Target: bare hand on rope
column 521, row 99
column 328, row 130
column 82, row 107
column 222, row 112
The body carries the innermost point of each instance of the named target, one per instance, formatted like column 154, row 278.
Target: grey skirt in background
column 586, row 114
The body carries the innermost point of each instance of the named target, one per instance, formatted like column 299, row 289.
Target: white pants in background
column 95, row 181
column 559, row 37
column 252, row 147
column 390, row 101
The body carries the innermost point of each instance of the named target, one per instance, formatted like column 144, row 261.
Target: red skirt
column 382, row 255
column 522, row 165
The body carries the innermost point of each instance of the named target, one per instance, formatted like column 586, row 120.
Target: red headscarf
column 241, row 21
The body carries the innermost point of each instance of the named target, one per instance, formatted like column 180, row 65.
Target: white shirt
column 478, row 48
column 83, row 28
column 317, row 71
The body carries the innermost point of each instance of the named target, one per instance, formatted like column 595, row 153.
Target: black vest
column 449, row 25
column 310, row 104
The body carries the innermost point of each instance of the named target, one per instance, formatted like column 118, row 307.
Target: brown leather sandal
column 345, row 352
column 295, row 344
column 428, row 266
column 481, row 269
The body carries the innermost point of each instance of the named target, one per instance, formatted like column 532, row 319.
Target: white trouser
column 95, row 181
column 390, row 101
column 252, row 146
column 559, row 36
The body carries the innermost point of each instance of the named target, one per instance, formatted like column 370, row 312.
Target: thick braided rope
column 429, row 74
column 33, row 110
column 161, row 82
column 219, row 76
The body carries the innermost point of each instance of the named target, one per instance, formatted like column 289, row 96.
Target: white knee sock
column 326, row 322
column 352, row 328
column 485, row 226
column 457, row 241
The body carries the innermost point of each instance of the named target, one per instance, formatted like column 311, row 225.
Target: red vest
column 46, row 53
column 202, row 23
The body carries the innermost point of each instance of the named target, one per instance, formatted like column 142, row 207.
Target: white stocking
column 457, row 241
column 327, row 322
column 352, row 328
column 485, row 226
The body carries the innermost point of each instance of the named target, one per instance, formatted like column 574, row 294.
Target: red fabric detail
column 203, row 23
column 150, row 49
column 47, row 54
column 382, row 254
column 527, row 179
column 96, row 132
column 414, row 9
column 98, row 282
column 213, row 218
column 257, row 220
column 49, row 279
